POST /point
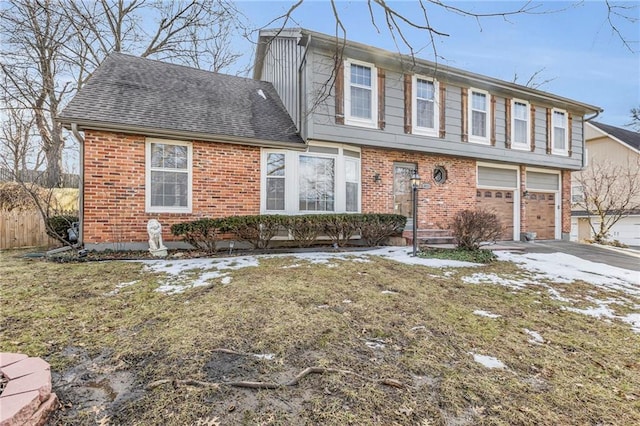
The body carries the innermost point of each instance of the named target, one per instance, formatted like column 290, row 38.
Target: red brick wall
column 435, row 205
column 226, row 181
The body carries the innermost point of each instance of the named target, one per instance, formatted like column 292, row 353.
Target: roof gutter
column 80, row 139
column 584, row 149
column 180, row 135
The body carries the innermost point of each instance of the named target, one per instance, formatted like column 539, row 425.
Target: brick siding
column 226, row 181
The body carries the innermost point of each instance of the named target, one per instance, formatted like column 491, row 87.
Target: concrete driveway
column 621, row 258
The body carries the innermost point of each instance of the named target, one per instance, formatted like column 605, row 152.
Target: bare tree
column 34, row 35
column 18, row 150
column 50, row 47
column 609, row 193
column 535, row 81
column 635, row 119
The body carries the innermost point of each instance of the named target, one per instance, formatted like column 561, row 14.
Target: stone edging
column 27, row 398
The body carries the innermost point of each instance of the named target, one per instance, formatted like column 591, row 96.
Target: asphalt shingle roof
column 142, row 93
column 627, row 136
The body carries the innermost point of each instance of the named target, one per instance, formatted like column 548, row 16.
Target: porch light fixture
column 525, row 193
column 376, row 177
column 415, row 184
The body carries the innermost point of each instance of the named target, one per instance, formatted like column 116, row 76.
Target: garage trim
column 558, row 196
column 515, row 189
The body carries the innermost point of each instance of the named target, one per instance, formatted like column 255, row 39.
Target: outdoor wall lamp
column 525, row 193
column 415, row 184
column 376, row 177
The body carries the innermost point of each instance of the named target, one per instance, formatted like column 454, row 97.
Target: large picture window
column 479, row 116
column 323, row 179
column 361, row 94
column 317, row 184
column 425, row 106
column 168, row 187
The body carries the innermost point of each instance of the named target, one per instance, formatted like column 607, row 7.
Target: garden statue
column 156, row 248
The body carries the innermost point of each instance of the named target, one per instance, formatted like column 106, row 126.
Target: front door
column 402, row 191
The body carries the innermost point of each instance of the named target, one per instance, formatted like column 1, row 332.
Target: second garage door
column 499, row 202
column 541, row 214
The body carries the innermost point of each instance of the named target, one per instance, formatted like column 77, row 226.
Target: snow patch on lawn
column 486, row 314
column 120, row 287
column 488, row 361
column 535, row 336
column 481, row 278
column 565, row 268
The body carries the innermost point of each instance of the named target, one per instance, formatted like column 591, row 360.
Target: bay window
column 325, row 178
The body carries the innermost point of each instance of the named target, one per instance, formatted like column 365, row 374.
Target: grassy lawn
column 108, row 333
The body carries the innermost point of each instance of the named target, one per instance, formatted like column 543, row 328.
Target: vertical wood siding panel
column 549, row 130
column 465, row 112
column 494, row 121
column 381, row 98
column 339, row 64
column 533, row 128
column 570, row 130
column 407, row 103
column 443, row 108
column 507, row 122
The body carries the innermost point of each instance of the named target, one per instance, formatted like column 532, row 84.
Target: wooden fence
column 23, row 229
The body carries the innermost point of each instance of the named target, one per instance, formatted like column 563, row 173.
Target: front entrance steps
column 430, row 236
column 443, row 238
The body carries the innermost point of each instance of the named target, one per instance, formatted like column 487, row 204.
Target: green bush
column 375, row 228
column 340, row 227
column 305, row 229
column 202, row 234
column 472, row 228
column 58, row 226
column 258, row 230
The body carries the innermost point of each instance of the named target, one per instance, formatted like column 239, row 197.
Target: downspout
column 80, row 139
column 584, row 150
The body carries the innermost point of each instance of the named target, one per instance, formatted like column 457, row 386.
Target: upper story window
column 425, row 106
column 559, row 132
column 520, row 129
column 479, row 116
column 168, row 176
column 361, row 108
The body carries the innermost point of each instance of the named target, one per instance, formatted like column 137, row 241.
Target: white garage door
column 627, row 231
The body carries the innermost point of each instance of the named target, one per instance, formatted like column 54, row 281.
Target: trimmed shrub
column 472, row 228
column 340, row 227
column 305, row 229
column 59, row 225
column 202, row 233
column 375, row 228
column 258, row 230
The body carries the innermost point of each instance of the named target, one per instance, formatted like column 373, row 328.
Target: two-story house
column 326, row 125
column 371, row 117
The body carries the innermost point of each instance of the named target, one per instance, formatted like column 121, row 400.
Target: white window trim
column 564, row 151
column 527, row 144
column 479, row 139
column 425, row 131
column 292, row 188
column 147, row 168
column 358, row 121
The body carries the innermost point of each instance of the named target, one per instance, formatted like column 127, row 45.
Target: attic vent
column 261, row 93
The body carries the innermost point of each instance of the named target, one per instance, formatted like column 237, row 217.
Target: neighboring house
column 618, row 148
column 173, row 143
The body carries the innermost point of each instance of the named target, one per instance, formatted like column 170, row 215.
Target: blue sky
column 571, row 42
